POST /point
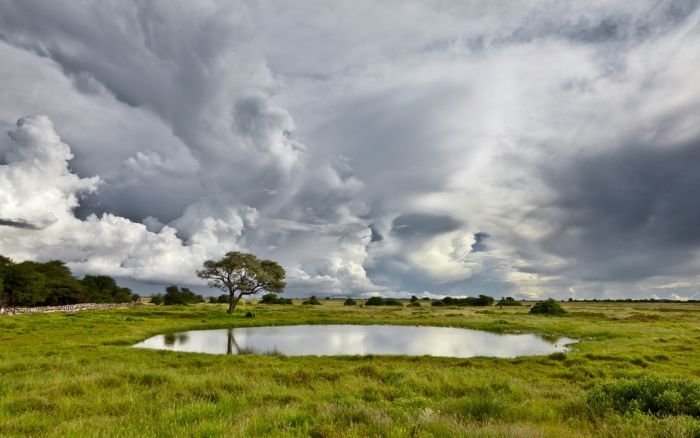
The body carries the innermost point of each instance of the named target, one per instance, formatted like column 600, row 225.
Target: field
column 76, row 375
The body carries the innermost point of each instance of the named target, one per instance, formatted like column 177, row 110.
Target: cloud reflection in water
column 335, row 340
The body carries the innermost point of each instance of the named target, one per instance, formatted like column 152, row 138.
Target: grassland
column 76, row 375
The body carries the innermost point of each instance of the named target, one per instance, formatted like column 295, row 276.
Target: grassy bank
column 76, row 375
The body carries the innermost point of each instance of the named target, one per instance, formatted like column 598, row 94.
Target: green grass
column 76, row 375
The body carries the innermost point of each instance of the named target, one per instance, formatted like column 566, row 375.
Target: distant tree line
column 481, row 300
column 29, row 284
column 631, row 300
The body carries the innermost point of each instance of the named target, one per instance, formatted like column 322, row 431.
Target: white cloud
column 301, row 131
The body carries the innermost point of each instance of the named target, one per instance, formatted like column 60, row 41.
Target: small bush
column 415, row 304
column 183, row 296
column 157, row 299
column 250, row 315
column 349, row 302
column 274, row 299
column 437, row 304
column 508, row 301
column 547, row 307
column 649, row 394
column 375, row 301
column 312, row 300
column 557, row 356
column 380, row 301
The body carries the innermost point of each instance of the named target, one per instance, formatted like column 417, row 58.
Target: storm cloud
column 416, row 147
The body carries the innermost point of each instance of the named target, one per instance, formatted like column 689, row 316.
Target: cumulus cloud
column 39, row 189
column 515, row 148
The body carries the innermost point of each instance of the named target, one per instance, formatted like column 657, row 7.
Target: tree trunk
column 231, row 304
column 233, row 301
column 229, row 344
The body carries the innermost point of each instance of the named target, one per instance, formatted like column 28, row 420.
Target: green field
column 76, row 375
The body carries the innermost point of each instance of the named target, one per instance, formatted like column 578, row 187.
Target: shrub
column 508, row 301
column 349, row 302
column 414, row 298
column 375, row 301
column 157, row 299
column 481, row 300
column 415, row 304
column 174, row 295
column 312, row 300
column 547, row 307
column 221, row 299
column 648, row 394
column 437, row 303
column 250, row 315
column 274, row 299
column 381, row 301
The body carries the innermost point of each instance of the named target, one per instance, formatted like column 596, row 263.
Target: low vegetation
column 547, row 307
column 174, row 296
column 381, row 301
column 654, row 395
column 481, row 300
column 274, row 299
column 508, row 301
column 312, row 300
column 221, row 299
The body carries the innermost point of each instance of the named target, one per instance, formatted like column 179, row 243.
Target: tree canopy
column 175, row 295
column 29, row 283
column 240, row 274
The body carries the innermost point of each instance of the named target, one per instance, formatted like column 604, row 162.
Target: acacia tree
column 239, row 274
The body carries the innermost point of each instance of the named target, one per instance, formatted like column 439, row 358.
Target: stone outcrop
column 70, row 308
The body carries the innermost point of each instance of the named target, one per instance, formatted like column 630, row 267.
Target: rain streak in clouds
column 431, row 148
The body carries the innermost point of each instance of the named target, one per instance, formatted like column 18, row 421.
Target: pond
column 336, row 340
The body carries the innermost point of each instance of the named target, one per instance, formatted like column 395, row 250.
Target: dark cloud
column 480, row 241
column 629, row 213
column 376, row 237
column 18, row 224
column 423, row 225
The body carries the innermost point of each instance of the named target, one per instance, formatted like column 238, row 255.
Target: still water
column 335, row 340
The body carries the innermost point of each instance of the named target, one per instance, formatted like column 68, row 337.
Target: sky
column 528, row 149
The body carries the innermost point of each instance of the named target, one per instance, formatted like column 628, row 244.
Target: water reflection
column 174, row 338
column 333, row 340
